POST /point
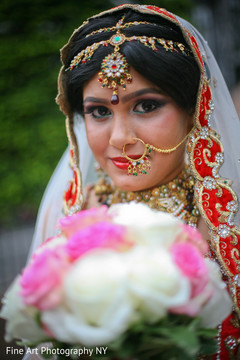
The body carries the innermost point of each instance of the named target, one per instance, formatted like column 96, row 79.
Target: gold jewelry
column 104, row 184
column 175, row 197
column 119, row 25
column 114, row 72
column 167, row 151
column 138, row 166
column 114, row 67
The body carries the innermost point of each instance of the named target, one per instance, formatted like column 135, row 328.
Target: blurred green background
column 32, row 129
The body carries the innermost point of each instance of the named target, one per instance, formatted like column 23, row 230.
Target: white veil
column 52, row 202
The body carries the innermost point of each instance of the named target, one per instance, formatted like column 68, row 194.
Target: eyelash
column 156, row 103
column 91, row 110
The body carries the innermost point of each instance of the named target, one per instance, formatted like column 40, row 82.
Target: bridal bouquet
column 124, row 282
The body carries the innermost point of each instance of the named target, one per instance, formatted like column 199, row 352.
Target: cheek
column 174, row 123
column 172, row 119
column 97, row 138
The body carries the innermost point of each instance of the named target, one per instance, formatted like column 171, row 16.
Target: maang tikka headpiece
column 115, row 68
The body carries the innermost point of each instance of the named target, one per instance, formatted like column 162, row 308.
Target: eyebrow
column 95, row 100
column 125, row 98
column 141, row 92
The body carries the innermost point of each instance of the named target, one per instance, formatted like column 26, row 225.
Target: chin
column 132, row 183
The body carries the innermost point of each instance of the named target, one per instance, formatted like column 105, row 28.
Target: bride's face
column 144, row 112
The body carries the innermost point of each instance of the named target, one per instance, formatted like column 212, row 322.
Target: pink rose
column 191, row 262
column 99, row 235
column 195, row 237
column 71, row 224
column 41, row 280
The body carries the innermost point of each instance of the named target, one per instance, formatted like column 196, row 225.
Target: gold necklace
column 176, row 197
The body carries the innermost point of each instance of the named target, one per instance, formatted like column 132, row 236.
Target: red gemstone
column 114, row 99
column 84, row 61
column 114, row 66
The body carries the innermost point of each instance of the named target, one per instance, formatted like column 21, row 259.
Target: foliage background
column 32, row 129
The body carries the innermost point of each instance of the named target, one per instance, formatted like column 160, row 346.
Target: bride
column 144, row 97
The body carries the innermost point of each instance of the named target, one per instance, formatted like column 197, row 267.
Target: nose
column 121, row 133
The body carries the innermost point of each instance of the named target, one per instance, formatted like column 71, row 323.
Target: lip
column 123, row 163
column 120, row 162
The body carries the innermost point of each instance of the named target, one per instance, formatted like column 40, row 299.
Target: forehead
column 93, row 87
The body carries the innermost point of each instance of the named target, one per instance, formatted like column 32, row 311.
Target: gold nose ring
column 138, row 166
column 143, row 155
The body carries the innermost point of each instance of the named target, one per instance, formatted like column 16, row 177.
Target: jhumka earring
column 140, row 165
column 104, row 185
column 115, row 68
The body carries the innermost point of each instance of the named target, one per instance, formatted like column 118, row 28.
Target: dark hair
column 175, row 73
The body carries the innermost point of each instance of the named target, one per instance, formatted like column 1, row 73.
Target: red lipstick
column 122, row 163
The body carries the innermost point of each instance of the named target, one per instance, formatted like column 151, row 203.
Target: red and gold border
column 216, row 200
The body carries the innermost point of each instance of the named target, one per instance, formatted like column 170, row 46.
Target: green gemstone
column 138, row 162
column 117, row 38
column 150, row 150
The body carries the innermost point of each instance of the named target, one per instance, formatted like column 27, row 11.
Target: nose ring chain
column 142, row 164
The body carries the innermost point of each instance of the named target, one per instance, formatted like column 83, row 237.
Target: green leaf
column 208, row 347
column 207, row 333
column 183, row 337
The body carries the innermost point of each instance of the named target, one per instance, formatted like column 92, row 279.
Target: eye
column 147, row 106
column 98, row 112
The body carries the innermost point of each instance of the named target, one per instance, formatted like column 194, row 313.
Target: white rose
column 20, row 319
column 220, row 304
column 97, row 306
column 155, row 282
column 147, row 226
